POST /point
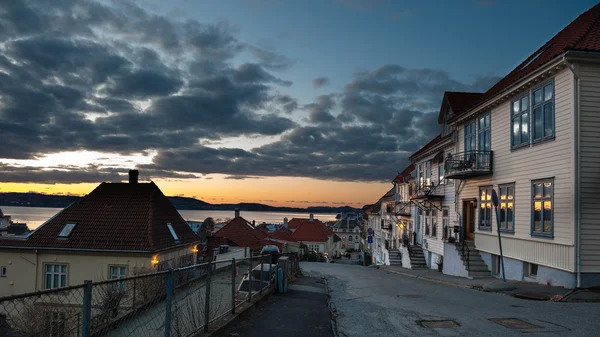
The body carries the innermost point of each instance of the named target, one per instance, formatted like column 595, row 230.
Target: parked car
column 313, row 256
column 271, row 250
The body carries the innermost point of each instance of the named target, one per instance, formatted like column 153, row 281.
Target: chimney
column 133, row 176
column 237, row 212
column 312, row 217
column 253, row 223
column 285, row 222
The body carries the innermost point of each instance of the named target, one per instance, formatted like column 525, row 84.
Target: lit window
column 55, row 276
column 173, row 234
column 66, row 231
column 542, row 194
column 507, row 207
column 485, row 208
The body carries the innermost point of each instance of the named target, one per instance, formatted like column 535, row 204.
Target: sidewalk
column 525, row 290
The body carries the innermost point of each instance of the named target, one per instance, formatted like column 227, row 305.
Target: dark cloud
column 320, row 82
column 288, row 103
column 320, row 112
column 144, row 84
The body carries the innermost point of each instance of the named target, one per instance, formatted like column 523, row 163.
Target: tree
column 207, row 227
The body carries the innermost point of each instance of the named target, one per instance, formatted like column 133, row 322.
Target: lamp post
column 495, row 202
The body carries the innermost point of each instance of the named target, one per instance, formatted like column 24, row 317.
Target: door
column 419, row 226
column 469, row 219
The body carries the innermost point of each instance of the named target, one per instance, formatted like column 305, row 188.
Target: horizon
column 282, row 103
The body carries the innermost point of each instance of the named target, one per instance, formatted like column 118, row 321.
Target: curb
column 332, row 310
column 428, row 279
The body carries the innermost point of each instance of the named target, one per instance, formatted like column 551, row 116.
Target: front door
column 469, row 219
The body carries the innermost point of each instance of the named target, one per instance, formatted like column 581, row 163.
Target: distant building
column 117, row 230
column 194, row 225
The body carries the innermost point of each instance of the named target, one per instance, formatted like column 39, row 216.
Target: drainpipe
column 577, row 154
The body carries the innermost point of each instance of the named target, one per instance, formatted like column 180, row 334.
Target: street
column 373, row 302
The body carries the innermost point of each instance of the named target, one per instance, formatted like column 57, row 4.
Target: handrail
column 469, row 161
column 463, row 247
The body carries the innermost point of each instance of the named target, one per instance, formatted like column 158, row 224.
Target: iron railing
column 465, row 252
column 468, row 164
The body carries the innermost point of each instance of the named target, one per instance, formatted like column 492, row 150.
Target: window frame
column 542, row 86
column 489, row 189
column 66, row 273
column 468, row 136
column 445, row 222
column 542, row 234
column 434, row 222
column 512, row 117
column 3, row 271
column 487, row 128
column 110, row 268
column 441, row 174
column 500, row 187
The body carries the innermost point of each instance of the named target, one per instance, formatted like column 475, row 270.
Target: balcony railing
column 427, row 190
column 468, row 164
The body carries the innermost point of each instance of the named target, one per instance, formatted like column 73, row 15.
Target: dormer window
column 66, row 231
column 173, row 234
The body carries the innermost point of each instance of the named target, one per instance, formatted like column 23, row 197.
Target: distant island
column 181, row 203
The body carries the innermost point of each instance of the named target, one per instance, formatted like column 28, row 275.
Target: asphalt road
column 373, row 302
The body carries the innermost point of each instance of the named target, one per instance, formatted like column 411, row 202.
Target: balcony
column 468, row 164
column 427, row 190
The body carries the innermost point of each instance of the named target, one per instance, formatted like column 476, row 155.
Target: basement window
column 66, row 231
column 3, row 271
column 173, row 234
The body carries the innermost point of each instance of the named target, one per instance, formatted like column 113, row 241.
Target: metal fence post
column 168, row 303
column 207, row 298
column 86, row 311
column 262, row 268
column 133, row 299
column 233, row 286
column 250, row 281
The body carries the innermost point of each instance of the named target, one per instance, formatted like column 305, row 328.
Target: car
column 314, row 256
column 271, row 250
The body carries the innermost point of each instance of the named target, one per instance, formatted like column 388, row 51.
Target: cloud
column 320, row 82
column 320, row 112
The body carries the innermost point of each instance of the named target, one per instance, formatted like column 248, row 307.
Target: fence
column 176, row 302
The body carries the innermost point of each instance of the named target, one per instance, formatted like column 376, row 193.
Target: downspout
column 577, row 153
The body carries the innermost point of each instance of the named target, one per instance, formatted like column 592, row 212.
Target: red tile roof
column 460, row 102
column 241, row 232
column 312, row 232
column 296, row 222
column 114, row 216
column 583, row 34
column 282, row 234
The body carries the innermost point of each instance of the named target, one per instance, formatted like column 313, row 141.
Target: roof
column 114, row 216
column 311, row 231
column 389, row 195
column 401, row 177
column 239, row 231
column 582, row 34
column 282, row 234
column 296, row 222
column 349, row 224
column 462, row 101
column 435, row 141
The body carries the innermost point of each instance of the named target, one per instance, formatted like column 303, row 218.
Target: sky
column 289, row 103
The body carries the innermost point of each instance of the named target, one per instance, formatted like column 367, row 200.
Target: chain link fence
column 176, row 302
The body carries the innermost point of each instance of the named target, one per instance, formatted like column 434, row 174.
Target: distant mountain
column 182, row 203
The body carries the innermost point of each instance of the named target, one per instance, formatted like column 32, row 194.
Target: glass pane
column 63, row 269
column 502, row 191
column 525, row 103
column 537, row 96
column 481, row 123
column 55, row 281
column 502, row 212
column 516, row 133
column 547, row 189
column 537, row 216
column 509, row 214
column 63, row 280
column 516, row 109
column 48, row 281
column 537, row 190
column 548, row 120
column 487, row 120
column 525, row 128
column 548, row 92
column 488, row 141
column 538, row 121
column 510, row 193
column 48, row 268
column 547, row 216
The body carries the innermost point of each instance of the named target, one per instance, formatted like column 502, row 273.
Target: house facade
column 118, row 230
column 533, row 139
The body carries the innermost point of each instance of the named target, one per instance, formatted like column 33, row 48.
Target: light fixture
column 155, row 261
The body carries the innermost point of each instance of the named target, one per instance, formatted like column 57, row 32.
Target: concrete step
column 475, row 263
column 482, row 274
column 478, row 268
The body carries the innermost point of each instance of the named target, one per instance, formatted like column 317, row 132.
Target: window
column 543, row 112
column 66, row 231
column 185, row 260
column 532, row 270
column 507, row 207
column 350, row 238
column 117, row 272
column 542, row 193
column 173, row 234
column 165, row 265
column 470, row 136
column 3, row 271
column 428, row 173
column 520, row 121
column 421, row 175
column 485, row 208
column 445, row 222
column 441, row 173
column 434, row 222
column 484, row 133
column 55, row 276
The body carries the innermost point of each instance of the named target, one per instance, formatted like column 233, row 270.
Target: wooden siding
column 553, row 158
column 590, row 166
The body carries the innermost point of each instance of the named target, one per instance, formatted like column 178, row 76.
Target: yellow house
column 119, row 229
